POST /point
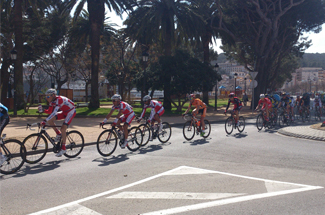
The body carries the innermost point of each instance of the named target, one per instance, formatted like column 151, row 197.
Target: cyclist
column 199, row 108
column 125, row 114
column 267, row 105
column 237, row 106
column 157, row 110
column 286, row 103
column 4, row 120
column 305, row 102
column 318, row 103
column 60, row 107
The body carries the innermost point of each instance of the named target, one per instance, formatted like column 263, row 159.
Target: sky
column 318, row 40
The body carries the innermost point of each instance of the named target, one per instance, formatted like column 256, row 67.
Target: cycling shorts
column 237, row 107
column 160, row 112
column 126, row 118
column 203, row 112
column 68, row 116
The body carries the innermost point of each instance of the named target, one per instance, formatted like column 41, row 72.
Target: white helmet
column 116, row 97
column 146, row 98
column 50, row 91
column 262, row 96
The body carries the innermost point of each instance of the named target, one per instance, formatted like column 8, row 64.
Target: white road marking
column 172, row 195
column 74, row 210
column 227, row 201
column 270, row 185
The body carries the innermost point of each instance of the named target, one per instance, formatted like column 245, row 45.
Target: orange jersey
column 198, row 104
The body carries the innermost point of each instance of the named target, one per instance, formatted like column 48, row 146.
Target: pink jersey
column 153, row 105
column 60, row 103
column 124, row 107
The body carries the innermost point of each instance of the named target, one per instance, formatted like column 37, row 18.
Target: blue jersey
column 3, row 110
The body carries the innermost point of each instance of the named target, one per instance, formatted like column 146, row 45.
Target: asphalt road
column 249, row 173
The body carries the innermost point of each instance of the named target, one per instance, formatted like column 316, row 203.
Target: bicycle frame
column 114, row 129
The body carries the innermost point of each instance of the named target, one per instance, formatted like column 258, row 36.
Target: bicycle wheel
column 229, row 125
column 188, row 130
column 282, row 120
column 207, row 128
column 106, row 143
column 74, row 144
column 36, row 148
column 15, row 152
column 166, row 133
column 241, row 124
column 146, row 133
column 134, row 139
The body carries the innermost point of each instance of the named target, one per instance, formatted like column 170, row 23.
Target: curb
column 284, row 131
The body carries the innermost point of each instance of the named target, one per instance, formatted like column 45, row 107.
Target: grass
column 85, row 111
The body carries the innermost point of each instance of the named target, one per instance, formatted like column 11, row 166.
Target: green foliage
column 313, row 60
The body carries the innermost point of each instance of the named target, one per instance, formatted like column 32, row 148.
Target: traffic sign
column 253, row 84
column 253, row 74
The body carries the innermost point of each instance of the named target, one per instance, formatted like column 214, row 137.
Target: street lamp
column 245, row 85
column 145, row 58
column 235, row 76
column 13, row 56
column 216, row 67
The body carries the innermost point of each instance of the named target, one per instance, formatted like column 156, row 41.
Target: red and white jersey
column 124, row 107
column 59, row 103
column 265, row 102
column 153, row 105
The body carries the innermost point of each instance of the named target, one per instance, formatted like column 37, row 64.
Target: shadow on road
column 112, row 160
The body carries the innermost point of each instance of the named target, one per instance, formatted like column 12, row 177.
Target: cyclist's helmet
column 191, row 96
column 116, row 97
column 51, row 91
column 146, row 98
column 262, row 96
column 231, row 95
column 266, row 95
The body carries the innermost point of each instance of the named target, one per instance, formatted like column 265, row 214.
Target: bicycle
column 193, row 125
column 230, row 123
column 305, row 116
column 262, row 122
column 36, row 144
column 284, row 117
column 318, row 116
column 15, row 153
column 149, row 131
column 107, row 140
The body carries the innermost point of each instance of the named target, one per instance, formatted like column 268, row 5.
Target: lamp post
column 245, row 84
column 216, row 67
column 235, row 76
column 145, row 58
column 13, row 56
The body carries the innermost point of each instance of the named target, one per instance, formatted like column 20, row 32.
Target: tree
column 164, row 22
column 192, row 75
column 96, row 10
column 261, row 33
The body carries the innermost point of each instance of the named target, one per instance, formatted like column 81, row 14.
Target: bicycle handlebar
column 33, row 124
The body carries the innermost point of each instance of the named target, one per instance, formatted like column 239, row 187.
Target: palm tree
column 96, row 10
column 205, row 33
column 162, row 21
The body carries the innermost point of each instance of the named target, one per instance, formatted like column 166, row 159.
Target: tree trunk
column 86, row 88
column 18, row 26
column 206, row 55
column 4, row 79
column 168, row 52
column 96, row 11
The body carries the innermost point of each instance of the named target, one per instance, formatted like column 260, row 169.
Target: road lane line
column 104, row 193
column 173, row 195
column 228, row 201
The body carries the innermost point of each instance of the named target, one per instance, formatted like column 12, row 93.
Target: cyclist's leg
column 127, row 121
column 203, row 114
column 51, row 122
column 68, row 119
